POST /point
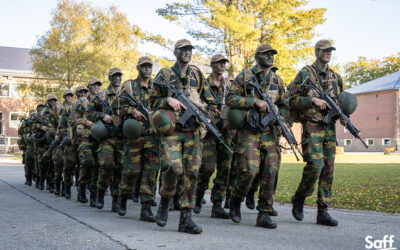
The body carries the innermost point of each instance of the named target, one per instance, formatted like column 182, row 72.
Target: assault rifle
column 335, row 112
column 191, row 110
column 64, row 141
column 273, row 115
column 112, row 130
column 137, row 104
column 53, row 145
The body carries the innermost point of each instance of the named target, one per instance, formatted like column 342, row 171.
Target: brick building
column 15, row 70
column 377, row 115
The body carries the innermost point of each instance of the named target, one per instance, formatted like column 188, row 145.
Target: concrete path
column 33, row 219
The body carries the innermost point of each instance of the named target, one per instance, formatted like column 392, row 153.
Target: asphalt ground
column 34, row 219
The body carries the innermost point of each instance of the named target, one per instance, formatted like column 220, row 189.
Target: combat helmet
column 236, row 118
column 99, row 131
column 132, row 129
column 164, row 121
column 347, row 102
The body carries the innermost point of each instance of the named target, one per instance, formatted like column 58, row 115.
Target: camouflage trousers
column 69, row 163
column 180, row 156
column 110, row 155
column 215, row 156
column 45, row 164
column 29, row 160
column 87, row 160
column 319, row 147
column 255, row 151
column 141, row 160
column 58, row 162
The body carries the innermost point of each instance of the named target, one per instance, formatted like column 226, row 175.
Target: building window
column 4, row 89
column 13, row 141
column 347, row 142
column 385, row 141
column 15, row 118
column 370, row 142
column 14, row 90
column 346, row 130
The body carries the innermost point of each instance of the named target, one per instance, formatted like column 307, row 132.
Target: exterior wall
column 376, row 118
column 11, row 104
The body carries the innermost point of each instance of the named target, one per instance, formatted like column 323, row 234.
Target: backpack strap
column 247, row 74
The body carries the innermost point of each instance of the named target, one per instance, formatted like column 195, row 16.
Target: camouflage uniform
column 25, row 146
column 70, row 161
column 181, row 151
column 110, row 150
column 318, row 139
column 215, row 155
column 257, row 150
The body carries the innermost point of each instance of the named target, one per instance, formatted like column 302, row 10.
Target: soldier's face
column 265, row 59
column 52, row 103
column 145, row 70
column 94, row 88
column 83, row 93
column 324, row 55
column 115, row 79
column 218, row 67
column 184, row 54
column 68, row 98
column 39, row 109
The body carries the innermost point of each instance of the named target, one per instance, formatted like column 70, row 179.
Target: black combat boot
column 263, row 220
column 146, row 214
column 26, row 180
column 228, row 195
column 57, row 187
column 62, row 189
column 100, row 199
column 121, row 204
column 114, row 204
column 250, row 202
column 218, row 212
column 92, row 198
column 186, row 223
column 323, row 217
column 41, row 183
column 199, row 199
column 234, row 212
column 273, row 212
column 298, row 204
column 68, row 192
column 30, row 180
column 51, row 186
column 162, row 212
column 176, row 202
column 82, row 193
column 135, row 195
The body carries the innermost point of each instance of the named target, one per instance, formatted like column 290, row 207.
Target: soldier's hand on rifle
column 321, row 104
column 107, row 119
column 343, row 122
column 89, row 124
column 217, row 113
column 138, row 115
column 175, row 104
column 261, row 105
column 44, row 128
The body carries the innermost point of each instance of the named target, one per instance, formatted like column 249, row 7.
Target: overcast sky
column 367, row 28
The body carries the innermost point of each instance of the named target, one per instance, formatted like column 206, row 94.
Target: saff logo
column 385, row 244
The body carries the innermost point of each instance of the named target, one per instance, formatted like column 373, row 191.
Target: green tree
column 364, row 70
column 237, row 27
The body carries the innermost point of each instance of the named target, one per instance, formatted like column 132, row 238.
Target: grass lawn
column 361, row 181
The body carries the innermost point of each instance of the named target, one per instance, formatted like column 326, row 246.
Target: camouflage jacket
column 193, row 80
column 64, row 120
column 242, row 96
column 300, row 97
column 96, row 111
column 79, row 115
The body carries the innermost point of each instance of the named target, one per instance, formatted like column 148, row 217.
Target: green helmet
column 99, row 131
column 164, row 121
column 236, row 118
column 347, row 102
column 132, row 129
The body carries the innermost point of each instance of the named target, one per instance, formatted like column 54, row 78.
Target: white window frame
column 383, row 141
column 346, row 130
column 373, row 141
column 344, row 142
column 12, row 123
column 9, row 141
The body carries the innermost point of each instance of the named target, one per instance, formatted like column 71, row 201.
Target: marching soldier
column 257, row 146
column 180, row 146
column 318, row 138
column 215, row 155
column 141, row 159
column 107, row 130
